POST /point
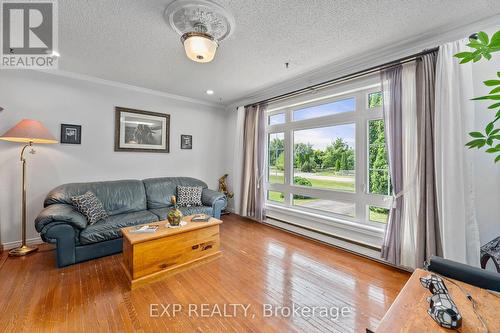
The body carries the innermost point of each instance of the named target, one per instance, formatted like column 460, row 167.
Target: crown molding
column 367, row 59
column 116, row 84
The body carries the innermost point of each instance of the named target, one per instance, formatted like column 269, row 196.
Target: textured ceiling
column 129, row 41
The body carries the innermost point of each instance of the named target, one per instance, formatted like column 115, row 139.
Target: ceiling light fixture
column 210, row 92
column 202, row 24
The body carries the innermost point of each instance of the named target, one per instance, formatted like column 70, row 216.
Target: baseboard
column 13, row 245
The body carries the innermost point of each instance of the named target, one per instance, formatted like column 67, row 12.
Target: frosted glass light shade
column 199, row 47
column 28, row 130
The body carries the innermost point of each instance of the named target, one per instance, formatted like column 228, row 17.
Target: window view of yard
column 377, row 214
column 324, row 157
column 342, row 208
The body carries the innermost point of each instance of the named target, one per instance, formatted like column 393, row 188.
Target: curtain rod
column 347, row 77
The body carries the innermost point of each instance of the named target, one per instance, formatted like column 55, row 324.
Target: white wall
column 486, row 172
column 54, row 100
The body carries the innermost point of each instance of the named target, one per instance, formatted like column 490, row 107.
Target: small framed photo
column 186, row 141
column 71, row 134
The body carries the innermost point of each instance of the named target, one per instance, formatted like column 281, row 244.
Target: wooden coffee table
column 148, row 257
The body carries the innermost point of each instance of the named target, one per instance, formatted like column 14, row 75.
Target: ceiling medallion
column 202, row 25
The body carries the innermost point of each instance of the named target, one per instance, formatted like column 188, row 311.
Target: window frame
column 360, row 117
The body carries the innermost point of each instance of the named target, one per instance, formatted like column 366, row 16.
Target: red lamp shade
column 28, row 130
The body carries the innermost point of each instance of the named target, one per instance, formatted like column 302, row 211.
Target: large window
column 327, row 156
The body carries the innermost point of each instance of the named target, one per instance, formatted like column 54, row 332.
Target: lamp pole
column 23, row 249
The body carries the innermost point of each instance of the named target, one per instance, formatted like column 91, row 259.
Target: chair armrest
column 60, row 213
column 469, row 274
column 210, row 197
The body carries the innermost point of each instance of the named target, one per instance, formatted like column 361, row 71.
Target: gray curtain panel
column 392, row 90
column 254, row 136
column 428, row 235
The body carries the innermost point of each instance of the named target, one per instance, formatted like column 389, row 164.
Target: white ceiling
column 129, row 41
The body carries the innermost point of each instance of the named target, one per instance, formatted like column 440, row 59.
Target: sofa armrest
column 58, row 213
column 214, row 199
column 209, row 197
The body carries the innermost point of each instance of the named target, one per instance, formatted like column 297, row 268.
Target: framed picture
column 71, row 134
column 141, row 131
column 186, row 141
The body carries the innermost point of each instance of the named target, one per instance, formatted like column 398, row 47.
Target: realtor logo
column 29, row 34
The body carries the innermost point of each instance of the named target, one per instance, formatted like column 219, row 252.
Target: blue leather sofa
column 127, row 202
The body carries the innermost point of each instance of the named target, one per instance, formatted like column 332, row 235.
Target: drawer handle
column 207, row 247
column 163, row 266
column 194, row 247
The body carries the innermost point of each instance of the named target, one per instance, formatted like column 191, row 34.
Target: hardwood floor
column 259, row 265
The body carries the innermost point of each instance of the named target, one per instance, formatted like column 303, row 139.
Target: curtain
column 392, row 94
column 238, row 158
column 410, row 176
column 428, row 235
column 252, row 192
column 454, row 119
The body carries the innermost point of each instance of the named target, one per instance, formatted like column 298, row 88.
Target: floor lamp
column 27, row 131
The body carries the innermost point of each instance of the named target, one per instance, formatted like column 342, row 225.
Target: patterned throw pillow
column 90, row 206
column 188, row 196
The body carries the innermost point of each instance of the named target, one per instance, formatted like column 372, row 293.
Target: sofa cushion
column 89, row 206
column 162, row 212
column 188, row 196
column 159, row 190
column 109, row 228
column 117, row 197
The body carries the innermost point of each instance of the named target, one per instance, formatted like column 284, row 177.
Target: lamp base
column 22, row 251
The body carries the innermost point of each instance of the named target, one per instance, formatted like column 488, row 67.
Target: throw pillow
column 90, row 206
column 188, row 196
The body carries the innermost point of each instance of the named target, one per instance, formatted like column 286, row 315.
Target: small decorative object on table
column 442, row 308
column 491, row 250
column 223, row 189
column 174, row 216
column 200, row 218
column 144, row 229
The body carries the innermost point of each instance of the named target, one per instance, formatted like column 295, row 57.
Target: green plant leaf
column 476, row 134
column 498, row 114
column 496, row 137
column 489, row 141
column 495, row 39
column 492, row 150
column 497, row 158
column 475, row 44
column 494, row 97
column 498, row 74
column 483, row 37
column 491, row 83
column 489, row 128
column 478, row 143
column 463, row 55
column 487, row 55
column 494, row 91
column 477, row 58
column 494, row 132
column 494, row 106
column 465, row 60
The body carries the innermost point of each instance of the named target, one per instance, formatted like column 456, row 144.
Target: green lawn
column 379, row 217
column 319, row 183
column 276, row 196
